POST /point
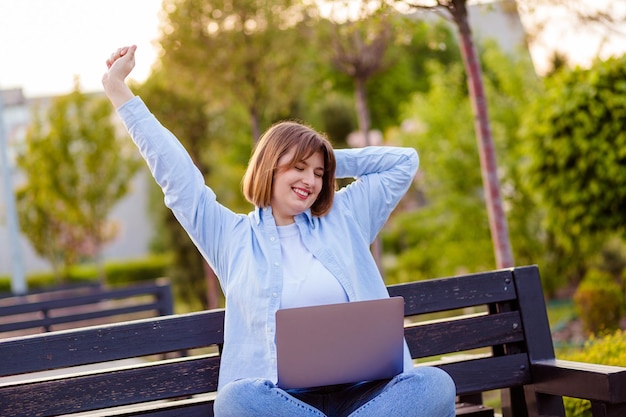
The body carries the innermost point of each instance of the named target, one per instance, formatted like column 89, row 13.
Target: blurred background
column 517, row 108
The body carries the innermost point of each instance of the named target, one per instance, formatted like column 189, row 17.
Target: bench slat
column 486, row 374
column 83, row 316
column 464, row 334
column 198, row 406
column 443, row 294
column 40, row 312
column 111, row 342
column 86, row 299
column 111, row 388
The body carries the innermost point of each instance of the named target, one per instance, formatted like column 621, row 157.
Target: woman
column 304, row 244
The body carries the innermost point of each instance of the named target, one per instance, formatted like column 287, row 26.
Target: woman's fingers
column 120, row 52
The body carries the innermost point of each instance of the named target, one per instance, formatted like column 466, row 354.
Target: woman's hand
column 122, row 61
column 120, row 64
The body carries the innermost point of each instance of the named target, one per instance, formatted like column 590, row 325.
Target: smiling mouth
column 301, row 193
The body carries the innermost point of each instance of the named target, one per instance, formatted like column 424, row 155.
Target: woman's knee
column 430, row 379
column 259, row 397
column 240, row 396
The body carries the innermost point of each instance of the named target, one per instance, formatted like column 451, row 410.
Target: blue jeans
column 420, row 392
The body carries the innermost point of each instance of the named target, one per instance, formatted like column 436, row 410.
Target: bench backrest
column 491, row 327
column 497, row 315
column 56, row 290
column 82, row 306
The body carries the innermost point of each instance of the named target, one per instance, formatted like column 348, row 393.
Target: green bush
column 606, row 350
column 41, row 280
column 600, row 302
column 144, row 269
column 5, row 284
column 117, row 273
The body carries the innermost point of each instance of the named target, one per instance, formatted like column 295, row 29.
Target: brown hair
column 276, row 142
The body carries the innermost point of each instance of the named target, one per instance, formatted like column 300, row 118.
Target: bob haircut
column 278, row 140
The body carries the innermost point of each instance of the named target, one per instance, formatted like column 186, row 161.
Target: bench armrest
column 597, row 383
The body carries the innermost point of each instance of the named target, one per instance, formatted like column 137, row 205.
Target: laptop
column 340, row 343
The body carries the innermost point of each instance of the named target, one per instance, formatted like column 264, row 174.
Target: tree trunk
column 363, row 116
column 362, row 110
column 211, row 286
column 491, row 184
column 255, row 124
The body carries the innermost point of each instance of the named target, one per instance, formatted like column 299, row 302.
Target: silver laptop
column 340, row 343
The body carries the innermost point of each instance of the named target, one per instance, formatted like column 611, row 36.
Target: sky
column 44, row 44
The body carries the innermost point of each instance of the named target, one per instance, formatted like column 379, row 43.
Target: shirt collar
column 262, row 214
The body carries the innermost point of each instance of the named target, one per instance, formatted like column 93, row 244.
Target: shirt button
column 274, row 294
column 276, row 264
column 272, row 239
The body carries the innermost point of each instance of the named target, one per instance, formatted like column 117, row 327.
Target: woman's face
column 295, row 189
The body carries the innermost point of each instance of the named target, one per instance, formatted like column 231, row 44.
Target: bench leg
column 540, row 404
column 608, row 410
column 513, row 402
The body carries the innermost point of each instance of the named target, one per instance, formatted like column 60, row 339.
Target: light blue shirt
column 244, row 250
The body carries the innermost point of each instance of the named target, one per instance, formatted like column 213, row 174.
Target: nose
column 309, row 177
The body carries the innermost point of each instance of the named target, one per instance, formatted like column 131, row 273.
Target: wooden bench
column 79, row 306
column 488, row 330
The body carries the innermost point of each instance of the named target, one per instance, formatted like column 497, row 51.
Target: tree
column 457, row 10
column 76, row 169
column 248, row 52
column 210, row 142
column 576, row 133
column 359, row 48
column 416, row 45
column 225, row 56
column 447, row 232
column 401, row 74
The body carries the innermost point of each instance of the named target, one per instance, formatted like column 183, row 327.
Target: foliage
column 76, row 169
column 434, row 240
column 457, row 12
column 334, row 115
column 132, row 271
column 449, row 231
column 577, row 137
column 600, row 302
column 416, row 43
column 228, row 59
column 243, row 52
column 607, row 350
column 359, row 48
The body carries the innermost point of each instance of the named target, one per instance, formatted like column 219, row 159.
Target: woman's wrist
column 116, row 90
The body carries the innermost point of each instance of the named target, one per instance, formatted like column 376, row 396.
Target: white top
column 306, row 281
